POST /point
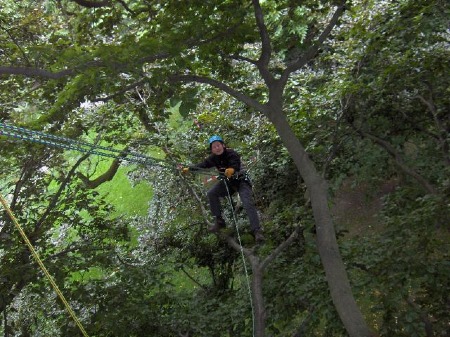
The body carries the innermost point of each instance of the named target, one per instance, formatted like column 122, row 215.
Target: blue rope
column 80, row 146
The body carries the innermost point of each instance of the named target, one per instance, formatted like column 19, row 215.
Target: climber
column 228, row 163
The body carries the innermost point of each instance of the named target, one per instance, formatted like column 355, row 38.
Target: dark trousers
column 244, row 189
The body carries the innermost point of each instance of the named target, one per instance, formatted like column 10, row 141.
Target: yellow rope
column 39, row 261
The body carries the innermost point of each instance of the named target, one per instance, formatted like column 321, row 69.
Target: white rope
column 243, row 257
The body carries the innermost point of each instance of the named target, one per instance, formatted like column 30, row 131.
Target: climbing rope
column 242, row 251
column 84, row 147
column 42, row 266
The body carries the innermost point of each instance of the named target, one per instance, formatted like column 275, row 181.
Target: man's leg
column 246, row 195
column 214, row 194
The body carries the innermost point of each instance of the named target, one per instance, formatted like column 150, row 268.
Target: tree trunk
column 258, row 267
column 258, row 300
column 336, row 274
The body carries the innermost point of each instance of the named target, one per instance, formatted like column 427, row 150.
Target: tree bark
column 258, row 267
column 103, row 178
column 258, row 301
column 334, row 267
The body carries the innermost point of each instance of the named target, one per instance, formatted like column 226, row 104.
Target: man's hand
column 185, row 170
column 229, row 172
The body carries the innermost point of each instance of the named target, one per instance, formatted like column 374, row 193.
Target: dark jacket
column 229, row 158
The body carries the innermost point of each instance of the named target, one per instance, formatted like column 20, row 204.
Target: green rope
column 242, row 255
column 80, row 146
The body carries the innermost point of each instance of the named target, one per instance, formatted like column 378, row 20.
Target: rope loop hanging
column 42, row 266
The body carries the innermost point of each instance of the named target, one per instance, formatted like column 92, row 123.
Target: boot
column 220, row 223
column 259, row 237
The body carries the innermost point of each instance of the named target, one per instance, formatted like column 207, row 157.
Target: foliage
column 409, row 281
column 371, row 107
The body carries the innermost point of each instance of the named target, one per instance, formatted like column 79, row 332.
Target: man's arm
column 207, row 163
column 234, row 160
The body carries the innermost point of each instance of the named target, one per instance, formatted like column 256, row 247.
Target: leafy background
column 133, row 256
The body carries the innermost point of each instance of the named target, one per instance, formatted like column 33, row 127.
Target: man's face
column 217, row 148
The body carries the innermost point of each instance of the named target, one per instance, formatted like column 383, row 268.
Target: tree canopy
column 340, row 110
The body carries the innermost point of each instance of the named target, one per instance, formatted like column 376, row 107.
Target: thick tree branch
column 35, row 72
column 221, row 86
column 266, row 48
column 93, row 4
column 107, row 176
column 249, row 253
column 101, row 3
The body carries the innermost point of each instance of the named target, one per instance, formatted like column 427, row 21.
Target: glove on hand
column 185, row 170
column 229, row 172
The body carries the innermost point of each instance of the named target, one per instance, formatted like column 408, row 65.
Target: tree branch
column 35, row 72
column 336, row 143
column 93, row 4
column 281, row 247
column 221, row 86
column 107, row 176
column 266, row 48
column 249, row 253
column 400, row 163
column 442, row 134
column 238, row 57
column 120, row 92
column 192, row 278
column 55, row 198
column 423, row 316
column 312, row 51
column 199, row 201
column 17, row 44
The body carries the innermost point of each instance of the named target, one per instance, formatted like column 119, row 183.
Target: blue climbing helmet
column 215, row 138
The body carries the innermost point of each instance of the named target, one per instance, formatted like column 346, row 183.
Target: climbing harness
column 43, row 268
column 213, row 175
column 84, row 147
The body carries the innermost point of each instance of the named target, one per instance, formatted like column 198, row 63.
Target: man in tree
column 228, row 162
